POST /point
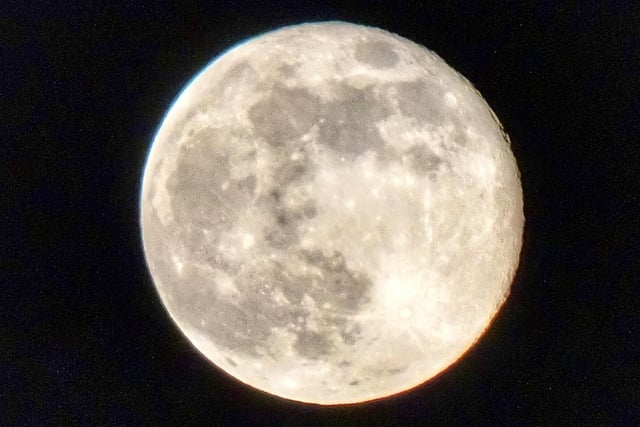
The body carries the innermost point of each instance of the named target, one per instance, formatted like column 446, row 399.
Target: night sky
column 84, row 337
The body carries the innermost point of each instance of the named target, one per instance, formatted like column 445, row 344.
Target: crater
column 377, row 54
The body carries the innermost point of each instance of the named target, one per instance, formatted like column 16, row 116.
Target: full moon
column 331, row 214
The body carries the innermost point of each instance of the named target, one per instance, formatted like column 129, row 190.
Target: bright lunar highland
column 331, row 214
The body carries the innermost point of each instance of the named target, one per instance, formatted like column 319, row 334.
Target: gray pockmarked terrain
column 331, row 214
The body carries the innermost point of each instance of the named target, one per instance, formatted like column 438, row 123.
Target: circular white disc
column 331, row 214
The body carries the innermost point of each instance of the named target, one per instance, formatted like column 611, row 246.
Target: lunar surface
column 331, row 214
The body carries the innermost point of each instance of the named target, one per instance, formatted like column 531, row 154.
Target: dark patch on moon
column 312, row 345
column 274, row 196
column 349, row 127
column 235, row 74
column 282, row 231
column 350, row 335
column 247, row 184
column 343, row 288
column 230, row 361
column 378, row 54
column 354, row 383
column 287, row 70
column 198, row 297
column 234, row 326
column 285, row 115
column 460, row 137
column 422, row 160
column 310, row 209
column 290, row 171
column 282, row 236
column 278, row 277
column 396, row 371
column 197, row 200
column 246, row 322
column 347, row 124
column 422, row 100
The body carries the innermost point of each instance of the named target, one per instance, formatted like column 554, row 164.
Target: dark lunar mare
column 246, row 324
column 377, row 54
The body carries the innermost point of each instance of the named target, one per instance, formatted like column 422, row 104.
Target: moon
column 331, row 214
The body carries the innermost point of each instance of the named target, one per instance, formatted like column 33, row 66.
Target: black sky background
column 84, row 337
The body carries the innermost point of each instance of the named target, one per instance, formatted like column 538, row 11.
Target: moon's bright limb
column 331, row 214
